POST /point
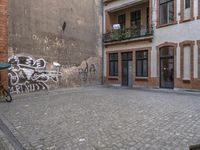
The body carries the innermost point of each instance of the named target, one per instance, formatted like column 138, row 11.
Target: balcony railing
column 128, row 33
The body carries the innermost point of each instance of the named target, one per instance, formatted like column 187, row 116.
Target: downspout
column 102, row 42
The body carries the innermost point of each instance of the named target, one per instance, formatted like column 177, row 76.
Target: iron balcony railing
column 128, row 33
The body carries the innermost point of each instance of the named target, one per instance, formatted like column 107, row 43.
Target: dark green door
column 167, row 67
column 127, row 69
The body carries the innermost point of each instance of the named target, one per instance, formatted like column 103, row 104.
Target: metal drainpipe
column 102, row 8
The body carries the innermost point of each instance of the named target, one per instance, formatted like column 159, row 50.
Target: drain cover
column 195, row 147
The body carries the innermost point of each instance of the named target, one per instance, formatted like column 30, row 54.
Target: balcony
column 128, row 34
column 128, row 22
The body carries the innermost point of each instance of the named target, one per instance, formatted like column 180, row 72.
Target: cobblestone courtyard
column 98, row 118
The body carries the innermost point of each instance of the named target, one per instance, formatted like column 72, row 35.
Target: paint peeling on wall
column 88, row 73
column 49, row 42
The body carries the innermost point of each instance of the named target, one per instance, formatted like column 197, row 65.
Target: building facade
column 51, row 44
column 152, row 43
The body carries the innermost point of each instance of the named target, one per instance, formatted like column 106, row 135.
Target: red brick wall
column 3, row 35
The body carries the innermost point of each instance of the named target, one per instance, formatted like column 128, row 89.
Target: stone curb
column 25, row 145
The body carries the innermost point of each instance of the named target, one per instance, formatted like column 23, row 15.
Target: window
column 187, row 4
column 147, row 13
column 166, row 11
column 142, row 64
column 186, row 63
column 113, row 64
column 122, row 21
column 127, row 56
column 136, row 19
column 187, row 10
column 187, row 14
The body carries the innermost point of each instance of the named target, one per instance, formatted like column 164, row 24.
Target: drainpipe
column 102, row 42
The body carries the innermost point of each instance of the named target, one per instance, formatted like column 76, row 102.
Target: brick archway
column 166, row 44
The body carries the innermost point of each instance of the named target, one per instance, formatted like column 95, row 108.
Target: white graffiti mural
column 28, row 75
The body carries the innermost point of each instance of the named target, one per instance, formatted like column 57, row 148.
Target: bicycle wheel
column 7, row 96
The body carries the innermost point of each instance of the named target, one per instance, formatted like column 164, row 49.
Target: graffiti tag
column 28, row 75
column 86, row 71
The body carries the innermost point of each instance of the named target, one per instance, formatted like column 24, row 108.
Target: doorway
column 167, row 67
column 127, row 69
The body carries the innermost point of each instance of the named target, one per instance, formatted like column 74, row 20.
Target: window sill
column 166, row 25
column 141, row 78
column 113, row 78
column 186, row 80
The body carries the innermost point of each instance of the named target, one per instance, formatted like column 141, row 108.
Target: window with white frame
column 187, row 63
column 166, row 12
column 187, row 9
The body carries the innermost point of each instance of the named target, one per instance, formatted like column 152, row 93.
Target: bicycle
column 4, row 94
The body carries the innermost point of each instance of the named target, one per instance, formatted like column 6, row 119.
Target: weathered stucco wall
column 46, row 33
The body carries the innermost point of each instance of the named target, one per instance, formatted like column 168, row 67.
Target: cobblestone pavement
column 4, row 143
column 99, row 118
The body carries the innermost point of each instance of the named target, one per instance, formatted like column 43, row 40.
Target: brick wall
column 3, row 36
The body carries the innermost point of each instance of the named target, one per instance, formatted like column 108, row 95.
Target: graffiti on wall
column 87, row 70
column 28, row 74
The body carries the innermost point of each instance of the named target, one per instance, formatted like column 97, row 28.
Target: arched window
column 187, row 63
column 167, row 64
